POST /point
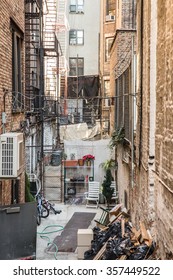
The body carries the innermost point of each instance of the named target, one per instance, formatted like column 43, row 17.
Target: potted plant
column 88, row 158
column 107, row 191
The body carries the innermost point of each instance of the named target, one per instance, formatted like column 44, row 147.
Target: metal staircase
column 32, row 45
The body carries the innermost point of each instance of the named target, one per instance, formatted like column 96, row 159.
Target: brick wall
column 151, row 200
column 10, row 9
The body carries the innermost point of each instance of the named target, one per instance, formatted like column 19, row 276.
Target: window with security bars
column 76, row 37
column 123, row 103
column 76, row 65
column 76, row 6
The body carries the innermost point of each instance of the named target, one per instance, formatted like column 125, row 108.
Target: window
column 108, row 44
column 76, row 66
column 76, row 6
column 17, row 43
column 123, row 103
column 107, row 93
column 110, row 7
column 76, row 37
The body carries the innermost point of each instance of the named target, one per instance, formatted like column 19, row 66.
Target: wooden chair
column 115, row 193
column 93, row 194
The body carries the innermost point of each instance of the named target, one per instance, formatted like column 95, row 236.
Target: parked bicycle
column 42, row 210
column 50, row 206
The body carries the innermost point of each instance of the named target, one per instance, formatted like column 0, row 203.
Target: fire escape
column 62, row 28
column 32, row 56
column 51, row 59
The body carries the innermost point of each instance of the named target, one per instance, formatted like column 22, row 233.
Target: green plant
column 107, row 191
column 117, row 137
column 109, row 164
column 28, row 196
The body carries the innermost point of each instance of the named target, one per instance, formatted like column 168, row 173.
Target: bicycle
column 42, row 210
column 50, row 206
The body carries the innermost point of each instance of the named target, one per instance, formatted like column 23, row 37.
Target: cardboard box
column 81, row 250
column 84, row 237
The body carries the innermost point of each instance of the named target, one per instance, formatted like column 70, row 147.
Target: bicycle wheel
column 44, row 211
column 38, row 216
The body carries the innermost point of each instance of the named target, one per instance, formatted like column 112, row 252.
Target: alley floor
column 56, row 222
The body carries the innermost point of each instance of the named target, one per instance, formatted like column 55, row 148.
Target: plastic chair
column 115, row 193
column 93, row 194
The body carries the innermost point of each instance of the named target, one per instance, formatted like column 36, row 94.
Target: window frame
column 75, row 67
column 75, row 37
column 77, row 7
column 108, row 47
column 17, row 68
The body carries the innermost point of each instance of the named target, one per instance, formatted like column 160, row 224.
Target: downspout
column 132, row 128
column 41, row 96
column 152, row 113
column 141, row 85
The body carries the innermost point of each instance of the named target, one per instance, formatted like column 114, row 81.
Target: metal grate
column 7, row 157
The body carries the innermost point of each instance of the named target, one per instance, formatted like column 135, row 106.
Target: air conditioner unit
column 11, row 155
column 110, row 18
column 34, row 38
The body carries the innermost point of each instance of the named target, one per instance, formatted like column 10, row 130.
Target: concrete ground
column 56, row 222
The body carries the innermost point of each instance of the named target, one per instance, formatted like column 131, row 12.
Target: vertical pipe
column 77, row 87
column 41, row 93
column 141, row 82
column 132, row 123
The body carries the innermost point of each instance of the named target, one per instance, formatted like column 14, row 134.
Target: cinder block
column 84, row 237
column 81, row 250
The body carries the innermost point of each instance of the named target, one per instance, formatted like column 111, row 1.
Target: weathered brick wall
column 13, row 9
column 139, row 194
column 164, row 130
column 160, row 193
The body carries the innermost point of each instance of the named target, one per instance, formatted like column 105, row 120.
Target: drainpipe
column 41, row 96
column 141, row 85
column 152, row 124
column 132, row 128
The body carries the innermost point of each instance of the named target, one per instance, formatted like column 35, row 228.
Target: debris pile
column 120, row 240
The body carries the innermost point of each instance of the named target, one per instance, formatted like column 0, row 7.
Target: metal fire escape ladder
column 50, row 56
column 32, row 43
column 62, row 28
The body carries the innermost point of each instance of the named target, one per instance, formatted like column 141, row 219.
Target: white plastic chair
column 93, row 194
column 115, row 193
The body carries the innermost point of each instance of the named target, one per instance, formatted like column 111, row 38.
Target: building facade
column 83, row 59
column 152, row 196
column 107, row 33
column 12, row 88
column 143, row 108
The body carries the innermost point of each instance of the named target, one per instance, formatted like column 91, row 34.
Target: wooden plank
column 100, row 253
column 122, row 227
column 136, row 234
column 123, row 257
